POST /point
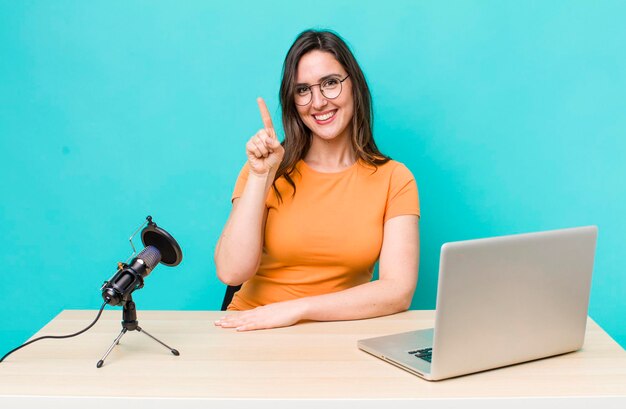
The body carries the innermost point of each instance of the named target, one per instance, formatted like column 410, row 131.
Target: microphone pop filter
column 152, row 235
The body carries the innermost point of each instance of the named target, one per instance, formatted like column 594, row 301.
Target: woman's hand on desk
column 281, row 314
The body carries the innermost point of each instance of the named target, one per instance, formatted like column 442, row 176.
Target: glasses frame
column 310, row 87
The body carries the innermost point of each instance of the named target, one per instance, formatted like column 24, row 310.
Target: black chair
column 228, row 297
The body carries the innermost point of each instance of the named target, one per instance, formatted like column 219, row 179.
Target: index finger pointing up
column 265, row 114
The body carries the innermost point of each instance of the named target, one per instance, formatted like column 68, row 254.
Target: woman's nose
column 319, row 101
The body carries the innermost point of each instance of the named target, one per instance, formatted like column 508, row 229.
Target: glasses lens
column 331, row 88
column 302, row 95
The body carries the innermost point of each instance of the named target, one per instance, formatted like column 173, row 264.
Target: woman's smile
column 325, row 117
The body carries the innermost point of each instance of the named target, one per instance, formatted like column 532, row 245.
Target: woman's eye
column 302, row 90
column 333, row 82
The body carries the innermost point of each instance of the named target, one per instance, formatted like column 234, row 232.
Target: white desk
column 308, row 362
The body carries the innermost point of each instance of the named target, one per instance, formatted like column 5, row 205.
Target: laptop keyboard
column 426, row 354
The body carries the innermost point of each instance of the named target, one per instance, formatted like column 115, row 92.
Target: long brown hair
column 297, row 136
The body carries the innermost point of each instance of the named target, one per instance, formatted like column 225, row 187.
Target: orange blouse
column 328, row 236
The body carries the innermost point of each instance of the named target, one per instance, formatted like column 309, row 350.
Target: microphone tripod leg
column 116, row 342
column 173, row 351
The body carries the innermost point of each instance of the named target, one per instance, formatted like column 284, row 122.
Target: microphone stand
column 130, row 323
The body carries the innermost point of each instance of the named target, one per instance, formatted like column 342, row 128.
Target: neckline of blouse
column 309, row 169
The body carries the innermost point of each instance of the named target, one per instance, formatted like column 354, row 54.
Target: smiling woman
column 313, row 214
column 327, row 118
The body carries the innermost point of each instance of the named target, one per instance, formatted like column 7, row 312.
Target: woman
column 312, row 215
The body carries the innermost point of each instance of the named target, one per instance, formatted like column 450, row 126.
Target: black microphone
column 161, row 247
column 130, row 277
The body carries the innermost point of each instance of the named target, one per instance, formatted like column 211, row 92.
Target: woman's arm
column 391, row 293
column 238, row 251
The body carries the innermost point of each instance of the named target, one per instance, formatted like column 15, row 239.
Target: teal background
column 511, row 116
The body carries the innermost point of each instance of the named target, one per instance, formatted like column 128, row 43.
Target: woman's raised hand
column 263, row 149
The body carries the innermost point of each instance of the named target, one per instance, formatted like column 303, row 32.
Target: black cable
column 58, row 336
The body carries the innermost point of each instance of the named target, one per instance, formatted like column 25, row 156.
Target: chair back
column 228, row 296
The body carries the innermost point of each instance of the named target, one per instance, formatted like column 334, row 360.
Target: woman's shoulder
column 390, row 169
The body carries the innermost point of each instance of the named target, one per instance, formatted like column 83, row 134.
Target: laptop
column 500, row 301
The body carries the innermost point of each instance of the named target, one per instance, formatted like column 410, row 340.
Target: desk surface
column 312, row 360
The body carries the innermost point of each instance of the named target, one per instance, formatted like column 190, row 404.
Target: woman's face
column 328, row 119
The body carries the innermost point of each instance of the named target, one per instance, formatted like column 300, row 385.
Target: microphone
column 161, row 247
column 130, row 277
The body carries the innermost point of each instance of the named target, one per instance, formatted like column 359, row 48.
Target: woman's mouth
column 325, row 117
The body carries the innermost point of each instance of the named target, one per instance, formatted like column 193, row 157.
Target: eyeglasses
column 330, row 89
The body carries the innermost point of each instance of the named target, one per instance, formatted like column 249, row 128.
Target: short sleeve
column 402, row 198
column 241, row 182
